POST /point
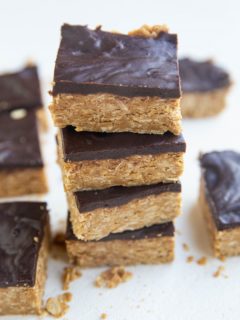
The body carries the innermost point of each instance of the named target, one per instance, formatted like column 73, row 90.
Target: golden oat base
column 130, row 171
column 121, row 252
column 42, row 118
column 111, row 113
column 16, row 182
column 27, row 300
column 136, row 214
column 224, row 243
column 205, row 104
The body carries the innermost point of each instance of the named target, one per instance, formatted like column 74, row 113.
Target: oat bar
column 96, row 214
column 205, row 87
column 101, row 160
column 24, row 238
column 111, row 82
column 149, row 245
column 220, row 200
column 21, row 164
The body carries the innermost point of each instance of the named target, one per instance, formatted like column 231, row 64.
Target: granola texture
column 113, row 277
column 17, row 182
column 27, row 300
column 136, row 214
column 58, row 306
column 224, row 243
column 130, row 171
column 112, row 113
column 203, row 104
column 117, row 252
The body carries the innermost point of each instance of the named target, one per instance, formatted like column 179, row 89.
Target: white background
column 181, row 291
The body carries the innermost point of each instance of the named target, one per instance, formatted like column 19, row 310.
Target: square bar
column 220, row 200
column 111, row 82
column 24, row 240
column 96, row 214
column 101, row 160
column 21, row 89
column 149, row 245
column 21, row 164
column 205, row 87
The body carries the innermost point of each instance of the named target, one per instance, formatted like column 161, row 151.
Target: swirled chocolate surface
column 19, row 142
column 155, row 231
column 200, row 76
column 21, row 234
column 116, row 196
column 94, row 61
column 20, row 89
column 78, row 146
column 221, row 174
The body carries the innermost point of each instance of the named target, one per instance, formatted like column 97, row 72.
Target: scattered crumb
column 18, row 114
column 35, row 239
column 185, row 247
column 58, row 248
column 222, row 258
column 70, row 274
column 112, row 277
column 190, row 259
column 149, row 31
column 218, row 272
column 103, row 316
column 57, row 306
column 202, row 261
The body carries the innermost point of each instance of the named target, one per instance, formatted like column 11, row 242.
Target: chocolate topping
column 116, row 196
column 19, row 144
column 221, row 174
column 202, row 76
column 21, row 234
column 155, row 231
column 78, row 146
column 20, row 89
column 94, row 61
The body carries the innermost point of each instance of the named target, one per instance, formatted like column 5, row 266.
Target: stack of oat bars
column 116, row 102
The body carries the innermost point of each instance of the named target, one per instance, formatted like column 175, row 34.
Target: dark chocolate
column 19, row 144
column 94, row 61
column 155, row 231
column 78, row 146
column 20, row 89
column 21, row 235
column 116, row 196
column 200, row 76
column 221, row 175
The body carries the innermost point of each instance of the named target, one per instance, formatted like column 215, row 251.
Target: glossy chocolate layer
column 20, row 89
column 201, row 76
column 155, row 231
column 21, row 234
column 94, row 61
column 221, row 174
column 19, row 144
column 78, row 146
column 116, row 196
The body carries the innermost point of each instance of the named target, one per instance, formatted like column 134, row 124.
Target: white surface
column 179, row 291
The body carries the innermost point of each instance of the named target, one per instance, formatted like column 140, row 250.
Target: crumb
column 190, row 259
column 149, row 31
column 58, row 248
column 70, row 274
column 218, row 272
column 18, row 114
column 103, row 316
column 57, row 306
column 222, row 258
column 202, row 261
column 112, row 277
column 35, row 239
column 185, row 247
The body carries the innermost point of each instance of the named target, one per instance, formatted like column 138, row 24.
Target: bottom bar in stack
column 149, row 245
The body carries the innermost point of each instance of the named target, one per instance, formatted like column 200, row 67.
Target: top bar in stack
column 110, row 82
